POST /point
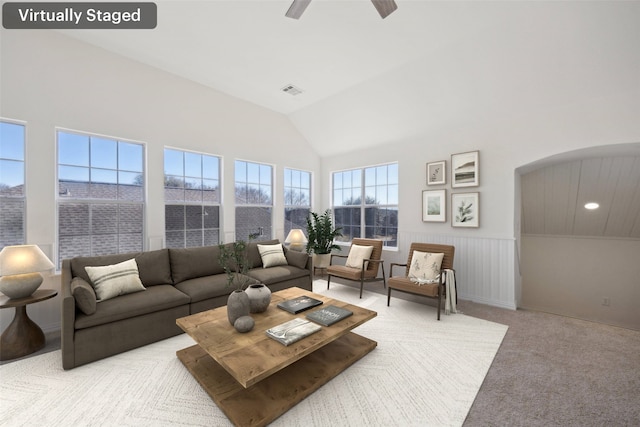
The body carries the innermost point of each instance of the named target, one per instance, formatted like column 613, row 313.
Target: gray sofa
column 178, row 282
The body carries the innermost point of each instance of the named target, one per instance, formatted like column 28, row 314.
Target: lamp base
column 20, row 285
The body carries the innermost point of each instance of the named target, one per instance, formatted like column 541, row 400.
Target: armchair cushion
column 425, row 266
column 357, row 254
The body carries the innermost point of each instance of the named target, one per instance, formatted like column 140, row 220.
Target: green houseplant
column 321, row 234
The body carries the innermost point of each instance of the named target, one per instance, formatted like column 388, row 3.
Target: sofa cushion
column 253, row 254
column 202, row 288
column 110, row 281
column 155, row 298
column 84, row 295
column 277, row 274
column 189, row 263
column 153, row 266
column 272, row 255
column 296, row 259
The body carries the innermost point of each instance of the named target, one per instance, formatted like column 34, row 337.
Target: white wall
column 50, row 80
column 487, row 258
column 573, row 276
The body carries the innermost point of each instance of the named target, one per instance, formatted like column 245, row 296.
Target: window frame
column 293, row 206
column 23, row 197
column 92, row 202
column 360, row 208
column 260, row 234
column 191, row 203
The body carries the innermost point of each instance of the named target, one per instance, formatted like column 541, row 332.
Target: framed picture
column 465, row 169
column 465, row 210
column 434, row 206
column 437, row 173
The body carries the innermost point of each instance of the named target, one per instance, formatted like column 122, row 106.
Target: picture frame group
column 465, row 207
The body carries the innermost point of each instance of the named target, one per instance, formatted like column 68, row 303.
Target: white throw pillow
column 425, row 266
column 111, row 281
column 272, row 255
column 357, row 254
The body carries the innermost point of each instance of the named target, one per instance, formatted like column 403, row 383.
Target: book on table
column 298, row 304
column 292, row 331
column 329, row 315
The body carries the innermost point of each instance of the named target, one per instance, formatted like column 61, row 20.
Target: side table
column 22, row 336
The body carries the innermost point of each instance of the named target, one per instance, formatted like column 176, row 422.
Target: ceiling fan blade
column 385, row 7
column 297, row 8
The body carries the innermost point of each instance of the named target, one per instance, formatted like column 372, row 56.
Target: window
column 192, row 199
column 297, row 199
column 12, row 194
column 100, row 195
column 254, row 201
column 365, row 203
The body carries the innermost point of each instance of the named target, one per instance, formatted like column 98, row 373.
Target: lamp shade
column 23, row 259
column 296, row 236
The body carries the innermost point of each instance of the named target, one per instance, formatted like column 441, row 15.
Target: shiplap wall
column 553, row 198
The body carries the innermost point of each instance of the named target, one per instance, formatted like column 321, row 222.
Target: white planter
column 321, row 260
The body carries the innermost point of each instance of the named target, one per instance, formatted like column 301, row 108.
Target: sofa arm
column 68, row 313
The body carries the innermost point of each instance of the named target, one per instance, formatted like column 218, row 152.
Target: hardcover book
column 329, row 315
column 292, row 331
column 299, row 304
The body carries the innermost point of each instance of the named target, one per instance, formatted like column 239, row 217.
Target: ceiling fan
column 384, row 8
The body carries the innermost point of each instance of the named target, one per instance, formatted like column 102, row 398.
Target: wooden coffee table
column 255, row 379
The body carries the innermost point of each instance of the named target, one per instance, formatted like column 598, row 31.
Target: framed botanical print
column 437, row 173
column 465, row 169
column 465, row 210
column 434, row 206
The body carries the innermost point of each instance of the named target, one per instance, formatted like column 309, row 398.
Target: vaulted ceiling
column 368, row 81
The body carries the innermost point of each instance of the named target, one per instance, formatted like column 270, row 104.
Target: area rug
column 423, row 373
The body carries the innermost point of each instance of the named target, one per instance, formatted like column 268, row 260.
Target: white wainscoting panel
column 485, row 267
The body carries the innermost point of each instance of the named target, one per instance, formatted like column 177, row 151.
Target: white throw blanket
column 450, row 297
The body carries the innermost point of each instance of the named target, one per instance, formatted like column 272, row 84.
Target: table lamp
column 296, row 239
column 20, row 268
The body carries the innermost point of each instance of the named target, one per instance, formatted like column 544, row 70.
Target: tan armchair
column 430, row 290
column 367, row 272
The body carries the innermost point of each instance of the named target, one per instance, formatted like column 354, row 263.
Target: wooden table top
column 37, row 296
column 253, row 356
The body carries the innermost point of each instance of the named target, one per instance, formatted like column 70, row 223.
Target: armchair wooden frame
column 429, row 290
column 368, row 273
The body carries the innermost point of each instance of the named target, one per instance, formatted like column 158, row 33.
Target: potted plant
column 235, row 262
column 321, row 234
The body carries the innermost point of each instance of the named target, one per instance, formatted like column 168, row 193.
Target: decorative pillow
column 296, row 259
column 272, row 255
column 425, row 266
column 84, row 295
column 357, row 254
column 111, row 281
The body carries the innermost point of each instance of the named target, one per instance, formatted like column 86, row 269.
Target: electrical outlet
column 606, row 301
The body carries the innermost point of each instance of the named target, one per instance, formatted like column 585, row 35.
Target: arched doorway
column 574, row 261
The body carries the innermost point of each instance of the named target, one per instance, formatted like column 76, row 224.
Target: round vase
column 237, row 306
column 259, row 297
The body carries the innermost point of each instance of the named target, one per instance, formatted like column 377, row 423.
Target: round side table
column 22, row 336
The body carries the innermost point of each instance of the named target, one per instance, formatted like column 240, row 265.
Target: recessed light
column 591, row 206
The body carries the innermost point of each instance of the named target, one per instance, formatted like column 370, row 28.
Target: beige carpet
column 423, row 373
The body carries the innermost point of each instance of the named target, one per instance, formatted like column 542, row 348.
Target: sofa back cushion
column 153, row 266
column 189, row 263
column 253, row 254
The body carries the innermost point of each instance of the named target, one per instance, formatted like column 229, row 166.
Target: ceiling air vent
column 291, row 90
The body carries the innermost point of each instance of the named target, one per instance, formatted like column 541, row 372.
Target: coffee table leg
column 22, row 336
